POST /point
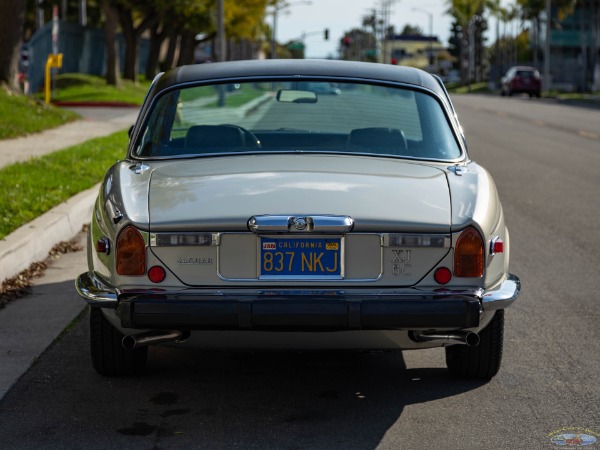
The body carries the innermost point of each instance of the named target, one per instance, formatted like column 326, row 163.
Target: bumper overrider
column 285, row 309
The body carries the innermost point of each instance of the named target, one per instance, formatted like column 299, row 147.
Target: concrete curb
column 34, row 240
column 92, row 104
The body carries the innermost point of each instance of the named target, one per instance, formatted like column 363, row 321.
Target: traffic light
column 346, row 41
column 326, row 34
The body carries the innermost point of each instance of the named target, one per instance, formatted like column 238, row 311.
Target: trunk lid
column 220, row 195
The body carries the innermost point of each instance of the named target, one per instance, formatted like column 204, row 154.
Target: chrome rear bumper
column 324, row 309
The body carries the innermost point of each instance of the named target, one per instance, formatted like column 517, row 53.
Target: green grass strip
column 476, row 88
column 31, row 188
column 20, row 115
column 239, row 98
column 78, row 87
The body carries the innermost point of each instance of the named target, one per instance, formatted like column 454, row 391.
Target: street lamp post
column 430, row 15
column 546, row 80
column 221, row 49
column 276, row 9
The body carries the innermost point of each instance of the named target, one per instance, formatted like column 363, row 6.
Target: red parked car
column 521, row 80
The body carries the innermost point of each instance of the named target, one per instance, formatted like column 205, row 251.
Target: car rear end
column 364, row 225
column 527, row 81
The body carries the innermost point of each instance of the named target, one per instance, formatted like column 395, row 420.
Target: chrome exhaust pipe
column 150, row 338
column 456, row 337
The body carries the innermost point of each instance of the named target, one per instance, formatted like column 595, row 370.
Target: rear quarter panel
column 476, row 203
column 122, row 201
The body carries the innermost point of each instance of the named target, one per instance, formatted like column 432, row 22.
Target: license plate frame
column 302, row 258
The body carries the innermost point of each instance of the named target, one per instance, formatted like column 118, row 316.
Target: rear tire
column 482, row 361
column 109, row 357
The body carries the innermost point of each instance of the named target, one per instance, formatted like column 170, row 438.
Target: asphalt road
column 545, row 159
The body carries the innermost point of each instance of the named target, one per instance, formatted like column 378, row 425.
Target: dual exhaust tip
column 468, row 338
column 131, row 342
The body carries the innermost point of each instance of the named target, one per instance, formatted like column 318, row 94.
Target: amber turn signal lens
column 131, row 253
column 468, row 254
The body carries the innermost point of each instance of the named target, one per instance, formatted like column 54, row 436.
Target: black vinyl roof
column 297, row 68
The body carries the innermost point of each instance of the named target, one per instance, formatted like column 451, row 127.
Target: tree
column 129, row 11
column 183, row 21
column 480, row 59
column 466, row 14
column 455, row 43
column 411, row 30
column 531, row 10
column 111, row 19
column 358, row 45
column 12, row 17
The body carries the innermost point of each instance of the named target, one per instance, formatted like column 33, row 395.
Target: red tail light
column 468, row 254
column 131, row 253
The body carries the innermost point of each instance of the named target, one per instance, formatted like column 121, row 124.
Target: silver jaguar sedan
column 255, row 210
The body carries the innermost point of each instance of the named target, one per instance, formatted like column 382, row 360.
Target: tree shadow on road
column 199, row 399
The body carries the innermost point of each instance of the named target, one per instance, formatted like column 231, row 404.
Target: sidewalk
column 96, row 122
column 30, row 324
column 34, row 240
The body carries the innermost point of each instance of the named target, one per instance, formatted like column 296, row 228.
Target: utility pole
column 40, row 14
column 430, row 59
column 83, row 13
column 221, row 45
column 583, row 39
column 546, row 86
column 471, row 51
column 276, row 8
column 384, row 13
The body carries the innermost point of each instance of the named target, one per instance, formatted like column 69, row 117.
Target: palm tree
column 496, row 11
column 464, row 12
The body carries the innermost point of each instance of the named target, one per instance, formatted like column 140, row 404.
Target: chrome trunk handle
column 300, row 224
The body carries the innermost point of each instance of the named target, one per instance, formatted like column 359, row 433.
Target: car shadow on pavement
column 199, row 399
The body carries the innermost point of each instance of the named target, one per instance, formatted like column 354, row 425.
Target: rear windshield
column 295, row 116
column 526, row 73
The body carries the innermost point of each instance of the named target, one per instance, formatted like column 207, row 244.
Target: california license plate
column 301, row 258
